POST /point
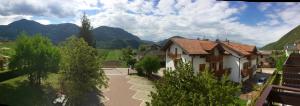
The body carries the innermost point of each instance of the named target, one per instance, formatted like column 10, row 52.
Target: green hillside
column 290, row 37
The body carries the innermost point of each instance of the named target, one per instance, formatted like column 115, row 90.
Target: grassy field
column 7, row 48
column 18, row 92
column 114, row 55
column 109, row 55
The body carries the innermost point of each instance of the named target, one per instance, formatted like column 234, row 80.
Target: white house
column 239, row 60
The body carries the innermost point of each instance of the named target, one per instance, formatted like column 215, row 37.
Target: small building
column 265, row 59
column 154, row 50
column 292, row 48
column 239, row 60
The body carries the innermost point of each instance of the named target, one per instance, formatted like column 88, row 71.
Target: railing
column 279, row 94
column 220, row 73
column 270, row 81
column 174, row 56
column 214, row 58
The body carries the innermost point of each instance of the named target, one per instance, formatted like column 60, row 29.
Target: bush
column 149, row 64
column 182, row 87
column 139, row 69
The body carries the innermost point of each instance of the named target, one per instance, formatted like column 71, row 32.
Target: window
column 220, row 65
column 213, row 67
column 246, row 65
column 201, row 67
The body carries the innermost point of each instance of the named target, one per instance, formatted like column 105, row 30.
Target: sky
column 245, row 22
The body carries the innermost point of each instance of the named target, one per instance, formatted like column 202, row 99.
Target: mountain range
column 106, row 37
column 290, row 37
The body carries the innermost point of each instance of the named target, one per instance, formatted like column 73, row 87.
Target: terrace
column 289, row 92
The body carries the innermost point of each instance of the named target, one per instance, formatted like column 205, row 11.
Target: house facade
column 220, row 57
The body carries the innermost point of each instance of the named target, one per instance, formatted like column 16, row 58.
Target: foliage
column 182, row 87
column 86, row 31
column 128, row 56
column 143, row 48
column 81, row 70
column 149, row 64
column 280, row 58
column 290, row 37
column 139, row 68
column 36, row 55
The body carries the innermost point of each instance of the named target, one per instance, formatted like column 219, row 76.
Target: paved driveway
column 125, row 90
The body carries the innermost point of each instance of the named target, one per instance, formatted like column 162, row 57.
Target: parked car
column 261, row 80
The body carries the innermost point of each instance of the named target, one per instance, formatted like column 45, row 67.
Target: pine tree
column 86, row 31
column 82, row 72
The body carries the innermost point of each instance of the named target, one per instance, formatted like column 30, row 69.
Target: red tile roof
column 193, row 46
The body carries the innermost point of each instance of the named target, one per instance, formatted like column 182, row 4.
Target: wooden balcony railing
column 220, row 73
column 279, row 94
column 214, row 58
column 174, row 56
column 247, row 72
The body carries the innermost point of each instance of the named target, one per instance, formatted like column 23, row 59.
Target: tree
column 183, row 87
column 150, row 64
column 36, row 55
column 86, row 31
column 81, row 70
column 128, row 56
column 280, row 58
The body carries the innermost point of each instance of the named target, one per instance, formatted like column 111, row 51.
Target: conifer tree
column 86, row 31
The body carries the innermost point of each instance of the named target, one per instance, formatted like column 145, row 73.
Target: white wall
column 169, row 62
column 197, row 60
column 232, row 62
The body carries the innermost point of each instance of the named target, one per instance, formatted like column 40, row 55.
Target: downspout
column 240, row 70
column 192, row 62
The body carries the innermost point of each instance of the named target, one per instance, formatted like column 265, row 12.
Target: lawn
column 114, row 55
column 111, row 56
column 7, row 48
column 18, row 92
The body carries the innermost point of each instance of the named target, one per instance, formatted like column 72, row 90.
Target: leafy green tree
column 86, row 31
column 182, row 87
column 81, row 69
column 36, row 55
column 150, row 64
column 128, row 56
column 280, row 58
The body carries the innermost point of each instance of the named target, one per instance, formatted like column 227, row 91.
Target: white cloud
column 264, row 6
column 44, row 22
column 168, row 18
column 4, row 20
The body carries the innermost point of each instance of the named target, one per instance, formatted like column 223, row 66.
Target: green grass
column 114, row 55
column 18, row 92
column 10, row 51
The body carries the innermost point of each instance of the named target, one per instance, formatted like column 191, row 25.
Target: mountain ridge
column 289, row 37
column 104, row 35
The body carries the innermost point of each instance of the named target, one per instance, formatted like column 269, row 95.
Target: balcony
column 174, row 56
column 247, row 72
column 279, row 95
column 214, row 58
column 220, row 73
